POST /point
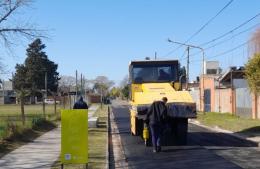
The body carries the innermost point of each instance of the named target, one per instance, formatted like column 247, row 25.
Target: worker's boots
column 157, row 149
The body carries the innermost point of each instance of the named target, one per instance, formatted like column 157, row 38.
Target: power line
column 225, row 52
column 223, row 41
column 206, row 24
column 182, row 56
column 225, row 34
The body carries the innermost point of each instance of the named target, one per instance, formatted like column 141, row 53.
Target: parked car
column 51, row 101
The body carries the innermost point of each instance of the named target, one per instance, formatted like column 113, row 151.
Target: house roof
column 234, row 73
column 7, row 85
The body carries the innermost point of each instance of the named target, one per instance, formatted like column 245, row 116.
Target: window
column 154, row 73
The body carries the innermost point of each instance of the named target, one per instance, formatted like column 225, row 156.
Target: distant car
column 50, row 101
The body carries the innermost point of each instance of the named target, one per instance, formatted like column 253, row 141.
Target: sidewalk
column 251, row 137
column 92, row 109
column 40, row 154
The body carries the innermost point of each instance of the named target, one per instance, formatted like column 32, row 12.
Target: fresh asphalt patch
column 205, row 149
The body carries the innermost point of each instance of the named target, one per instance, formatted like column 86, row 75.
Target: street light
column 188, row 61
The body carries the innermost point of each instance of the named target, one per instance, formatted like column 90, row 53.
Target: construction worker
column 156, row 117
column 80, row 104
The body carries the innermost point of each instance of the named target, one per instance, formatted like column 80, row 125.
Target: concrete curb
column 120, row 160
column 219, row 130
column 108, row 138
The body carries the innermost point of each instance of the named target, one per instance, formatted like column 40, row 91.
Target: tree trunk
column 32, row 99
column 55, row 106
column 64, row 102
column 22, row 110
column 43, row 107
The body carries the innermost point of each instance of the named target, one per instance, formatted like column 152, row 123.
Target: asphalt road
column 205, row 149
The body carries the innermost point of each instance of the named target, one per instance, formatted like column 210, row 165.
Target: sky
column 101, row 37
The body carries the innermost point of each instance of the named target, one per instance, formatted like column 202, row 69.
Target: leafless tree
column 102, row 84
column 10, row 27
column 66, row 81
column 254, row 46
column 14, row 29
column 124, row 81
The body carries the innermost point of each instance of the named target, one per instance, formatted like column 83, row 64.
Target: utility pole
column 44, row 95
column 69, row 97
column 203, row 58
column 101, row 97
column 3, row 85
column 202, row 94
column 76, row 84
column 231, row 83
column 81, row 84
column 188, row 65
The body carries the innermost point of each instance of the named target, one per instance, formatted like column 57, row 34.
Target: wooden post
column 55, row 106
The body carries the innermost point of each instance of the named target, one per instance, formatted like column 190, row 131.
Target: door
column 207, row 100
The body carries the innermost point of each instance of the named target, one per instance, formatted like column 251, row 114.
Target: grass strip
column 230, row 122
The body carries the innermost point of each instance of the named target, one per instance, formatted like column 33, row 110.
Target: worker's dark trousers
column 156, row 134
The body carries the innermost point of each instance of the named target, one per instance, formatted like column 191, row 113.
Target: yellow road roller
column 150, row 80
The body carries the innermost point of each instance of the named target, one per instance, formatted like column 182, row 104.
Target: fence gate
column 243, row 102
column 207, row 100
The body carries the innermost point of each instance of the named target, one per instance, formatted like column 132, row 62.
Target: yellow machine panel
column 155, row 91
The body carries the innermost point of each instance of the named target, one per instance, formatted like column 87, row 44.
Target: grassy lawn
column 230, row 122
column 11, row 115
column 9, row 110
column 97, row 140
column 13, row 134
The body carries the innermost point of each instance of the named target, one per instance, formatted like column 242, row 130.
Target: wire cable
column 225, row 40
column 207, row 23
column 225, row 34
column 225, row 52
column 199, row 30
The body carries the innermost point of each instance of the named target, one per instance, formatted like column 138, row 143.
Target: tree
column 115, row 92
column 252, row 67
column 38, row 64
column 252, row 71
column 124, row 87
column 102, row 85
column 14, row 30
column 29, row 78
column 10, row 28
column 35, row 67
column 254, row 45
column 125, row 91
column 124, row 82
column 21, row 86
column 66, row 83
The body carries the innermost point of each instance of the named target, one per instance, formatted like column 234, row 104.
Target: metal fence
column 243, row 102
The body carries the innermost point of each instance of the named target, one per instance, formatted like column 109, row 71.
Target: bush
column 253, row 73
column 37, row 122
column 40, row 123
column 12, row 130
